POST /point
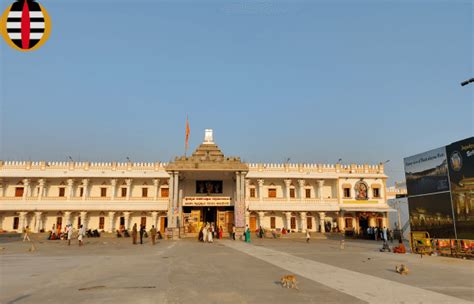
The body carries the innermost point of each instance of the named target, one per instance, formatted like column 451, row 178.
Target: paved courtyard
column 110, row 270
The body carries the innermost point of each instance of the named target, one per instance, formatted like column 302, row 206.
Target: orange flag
column 187, row 133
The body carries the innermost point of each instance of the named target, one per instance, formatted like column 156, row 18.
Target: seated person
column 159, row 235
column 400, row 248
column 283, row 231
column 119, row 234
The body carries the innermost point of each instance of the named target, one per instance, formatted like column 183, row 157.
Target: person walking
column 80, row 237
column 53, row 232
column 69, row 234
column 204, row 233
column 247, row 234
column 308, row 236
column 153, row 234
column 26, row 235
column 134, row 234
column 142, row 232
column 200, row 236
column 220, row 233
column 210, row 234
column 384, row 233
column 233, row 232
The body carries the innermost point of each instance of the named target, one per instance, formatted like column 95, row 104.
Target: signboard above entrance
column 206, row 201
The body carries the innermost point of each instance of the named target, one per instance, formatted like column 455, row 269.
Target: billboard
column 460, row 157
column 427, row 172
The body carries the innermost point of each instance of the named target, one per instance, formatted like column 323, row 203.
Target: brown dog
column 289, row 281
column 402, row 269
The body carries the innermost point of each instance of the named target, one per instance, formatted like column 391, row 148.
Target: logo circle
column 456, row 161
column 25, row 25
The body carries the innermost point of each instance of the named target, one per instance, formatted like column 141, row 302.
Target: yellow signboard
column 206, row 201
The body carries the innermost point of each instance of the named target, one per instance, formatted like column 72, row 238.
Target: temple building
column 178, row 197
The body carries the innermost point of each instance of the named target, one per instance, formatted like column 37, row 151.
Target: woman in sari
column 247, row 234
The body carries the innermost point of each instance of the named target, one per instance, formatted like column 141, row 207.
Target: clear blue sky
column 311, row 80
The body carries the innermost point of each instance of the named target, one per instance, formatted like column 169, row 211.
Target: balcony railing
column 283, row 204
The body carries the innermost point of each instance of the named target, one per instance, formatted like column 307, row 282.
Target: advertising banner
column 208, row 201
column 427, row 172
column 461, row 175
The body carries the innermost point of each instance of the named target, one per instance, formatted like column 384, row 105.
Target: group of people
column 143, row 233
column 376, row 233
column 209, row 231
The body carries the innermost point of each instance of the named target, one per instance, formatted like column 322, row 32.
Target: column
column 174, row 223
column 23, row 219
column 287, row 189
column 320, row 189
column 1, row 221
column 67, row 217
column 322, row 216
column 126, row 216
column 26, row 185
column 41, row 183
column 113, row 190
column 70, row 188
column 260, row 189
column 288, row 220
column 261, row 216
column 237, row 188
column 247, row 187
column 84, row 219
column 111, row 221
column 128, row 181
column 385, row 220
column 170, row 197
column 303, row 221
column 156, row 184
column 2, row 189
column 341, row 222
column 247, row 218
column 154, row 217
column 301, row 184
column 85, row 186
column 37, row 221
column 158, row 223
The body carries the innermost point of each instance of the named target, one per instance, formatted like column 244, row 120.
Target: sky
column 313, row 81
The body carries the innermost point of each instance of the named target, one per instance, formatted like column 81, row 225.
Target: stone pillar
column 41, row 183
column 288, row 220
column 239, row 204
column 85, row 186
column 38, row 215
column 320, row 189
column 84, row 219
column 158, row 223
column 385, row 220
column 129, row 181
column 170, row 197
column 156, row 184
column 111, row 221
column 113, row 189
column 176, row 199
column 67, row 217
column 1, row 221
column 70, row 188
column 26, row 190
column 260, row 189
column 261, row 216
column 301, row 184
column 341, row 222
column 154, row 216
column 237, row 188
column 247, row 218
column 372, row 222
column 2, row 189
column 287, row 189
column 247, row 187
column 303, row 221
column 23, row 220
column 322, row 216
column 126, row 216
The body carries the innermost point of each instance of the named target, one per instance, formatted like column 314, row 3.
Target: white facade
column 105, row 196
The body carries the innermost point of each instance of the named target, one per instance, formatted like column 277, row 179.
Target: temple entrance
column 363, row 225
column 194, row 218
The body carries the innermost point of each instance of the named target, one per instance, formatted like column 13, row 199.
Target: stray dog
column 402, row 269
column 289, row 281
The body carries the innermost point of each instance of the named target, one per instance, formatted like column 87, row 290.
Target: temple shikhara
column 180, row 196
